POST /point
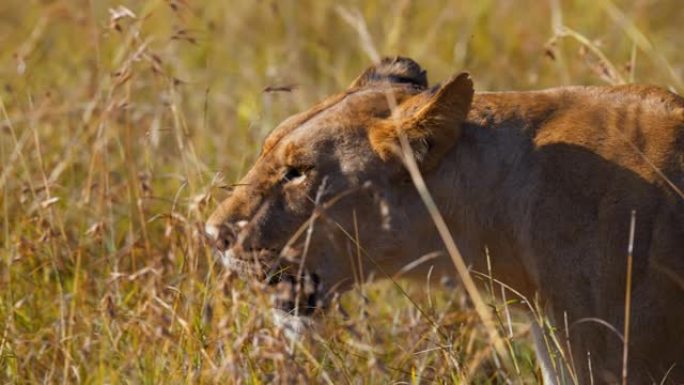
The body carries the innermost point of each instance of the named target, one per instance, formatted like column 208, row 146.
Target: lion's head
column 329, row 193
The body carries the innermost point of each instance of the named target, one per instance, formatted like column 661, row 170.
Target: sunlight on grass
column 123, row 123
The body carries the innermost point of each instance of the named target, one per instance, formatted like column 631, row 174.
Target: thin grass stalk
column 628, row 297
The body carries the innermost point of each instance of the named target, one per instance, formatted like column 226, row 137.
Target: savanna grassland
column 122, row 123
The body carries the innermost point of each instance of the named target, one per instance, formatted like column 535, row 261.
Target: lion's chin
column 293, row 327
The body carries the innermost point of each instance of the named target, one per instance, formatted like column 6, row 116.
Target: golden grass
column 120, row 122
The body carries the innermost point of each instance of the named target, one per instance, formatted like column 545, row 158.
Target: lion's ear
column 431, row 122
column 393, row 70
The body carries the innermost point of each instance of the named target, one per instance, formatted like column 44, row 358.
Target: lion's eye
column 294, row 175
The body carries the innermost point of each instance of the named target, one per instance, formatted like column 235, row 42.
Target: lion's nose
column 211, row 231
column 224, row 235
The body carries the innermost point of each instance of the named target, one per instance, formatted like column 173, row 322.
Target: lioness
column 545, row 180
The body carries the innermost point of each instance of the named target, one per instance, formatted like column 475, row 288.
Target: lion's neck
column 486, row 184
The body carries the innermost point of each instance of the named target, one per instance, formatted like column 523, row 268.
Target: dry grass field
column 122, row 123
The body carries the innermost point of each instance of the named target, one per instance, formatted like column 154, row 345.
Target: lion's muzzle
column 294, row 291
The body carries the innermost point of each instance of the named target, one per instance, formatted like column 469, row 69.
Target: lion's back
column 634, row 127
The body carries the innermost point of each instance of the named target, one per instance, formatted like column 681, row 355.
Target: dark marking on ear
column 393, row 70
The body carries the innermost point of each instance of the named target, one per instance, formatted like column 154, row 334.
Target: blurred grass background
column 121, row 122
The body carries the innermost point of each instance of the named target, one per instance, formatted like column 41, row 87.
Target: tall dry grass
column 121, row 124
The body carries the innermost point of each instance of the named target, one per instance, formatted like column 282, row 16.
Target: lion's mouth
column 238, row 266
column 246, row 264
column 294, row 291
